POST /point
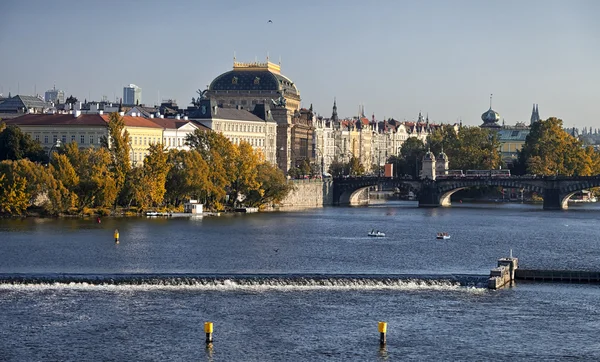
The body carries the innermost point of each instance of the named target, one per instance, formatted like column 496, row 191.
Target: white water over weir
column 233, row 282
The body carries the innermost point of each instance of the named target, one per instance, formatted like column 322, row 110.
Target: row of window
column 143, row 141
column 244, row 128
column 91, row 139
column 255, row 142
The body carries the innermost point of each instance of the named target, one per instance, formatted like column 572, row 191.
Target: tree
column 245, row 176
column 117, row 143
column 273, row 186
column 220, row 155
column 470, row 148
column 355, row 167
column 550, row 150
column 188, row 177
column 13, row 196
column 156, row 169
column 337, row 168
column 15, row 145
column 412, row 152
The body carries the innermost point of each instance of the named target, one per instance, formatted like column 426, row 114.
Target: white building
column 132, row 94
column 175, row 131
column 257, row 128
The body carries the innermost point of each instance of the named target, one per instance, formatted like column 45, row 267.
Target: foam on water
column 251, row 283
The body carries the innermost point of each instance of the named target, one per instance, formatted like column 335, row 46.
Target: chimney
column 162, row 116
column 151, row 115
column 78, row 106
column 100, row 112
column 177, row 117
column 133, row 114
column 76, row 113
column 121, row 114
column 185, row 118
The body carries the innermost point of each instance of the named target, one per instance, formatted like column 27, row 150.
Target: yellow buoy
column 208, row 329
column 382, row 332
column 116, row 236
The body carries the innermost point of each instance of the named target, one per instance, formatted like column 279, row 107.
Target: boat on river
column 442, row 236
column 376, row 234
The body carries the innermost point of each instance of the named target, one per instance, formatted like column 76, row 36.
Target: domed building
column 490, row 118
column 249, row 84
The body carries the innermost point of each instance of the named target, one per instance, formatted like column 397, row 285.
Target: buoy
column 382, row 332
column 98, row 220
column 116, row 236
column 208, row 329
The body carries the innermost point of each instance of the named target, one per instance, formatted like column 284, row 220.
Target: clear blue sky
column 395, row 57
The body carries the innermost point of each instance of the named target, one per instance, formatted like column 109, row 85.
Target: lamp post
column 54, row 146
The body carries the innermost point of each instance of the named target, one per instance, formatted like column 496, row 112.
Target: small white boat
column 376, row 234
column 442, row 236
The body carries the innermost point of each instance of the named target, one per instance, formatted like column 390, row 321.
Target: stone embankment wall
column 308, row 194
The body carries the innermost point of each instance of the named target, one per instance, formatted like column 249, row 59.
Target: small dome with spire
column 442, row 156
column 429, row 155
column 490, row 117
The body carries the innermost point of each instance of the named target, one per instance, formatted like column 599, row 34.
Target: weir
column 504, row 274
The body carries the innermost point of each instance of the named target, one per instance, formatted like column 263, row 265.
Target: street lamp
column 54, row 146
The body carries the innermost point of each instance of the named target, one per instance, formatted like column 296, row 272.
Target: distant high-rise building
column 54, row 95
column 132, row 94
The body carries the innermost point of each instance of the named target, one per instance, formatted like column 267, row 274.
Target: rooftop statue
column 280, row 102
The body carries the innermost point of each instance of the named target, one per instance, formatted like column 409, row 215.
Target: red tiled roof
column 131, row 121
column 57, row 120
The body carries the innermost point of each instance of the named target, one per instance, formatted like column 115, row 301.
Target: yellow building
column 54, row 130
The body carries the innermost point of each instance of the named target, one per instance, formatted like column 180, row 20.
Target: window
column 145, row 141
column 244, row 102
column 232, row 102
column 64, row 138
column 37, row 137
column 54, row 139
column 514, row 133
column 72, row 138
column 91, row 140
column 82, row 138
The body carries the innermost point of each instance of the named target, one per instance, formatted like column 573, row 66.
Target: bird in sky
column 270, row 21
column 276, row 250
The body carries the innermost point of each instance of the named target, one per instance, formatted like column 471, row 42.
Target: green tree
column 412, row 152
column 470, row 148
column 15, row 145
column 337, row 168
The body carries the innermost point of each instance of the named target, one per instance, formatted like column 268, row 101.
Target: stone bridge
column 556, row 190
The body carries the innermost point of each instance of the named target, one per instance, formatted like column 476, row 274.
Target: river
column 299, row 286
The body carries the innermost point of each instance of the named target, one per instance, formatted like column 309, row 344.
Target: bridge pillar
column 429, row 197
column 552, row 199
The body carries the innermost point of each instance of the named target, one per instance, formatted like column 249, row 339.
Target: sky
column 397, row 58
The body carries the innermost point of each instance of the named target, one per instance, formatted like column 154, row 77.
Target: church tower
column 334, row 115
column 535, row 115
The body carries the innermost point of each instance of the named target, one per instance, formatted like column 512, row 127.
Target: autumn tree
column 273, row 186
column 188, row 177
column 220, row 155
column 117, row 143
column 13, row 196
column 245, row 167
column 550, row 150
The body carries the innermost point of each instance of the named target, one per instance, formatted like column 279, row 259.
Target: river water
column 299, row 286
